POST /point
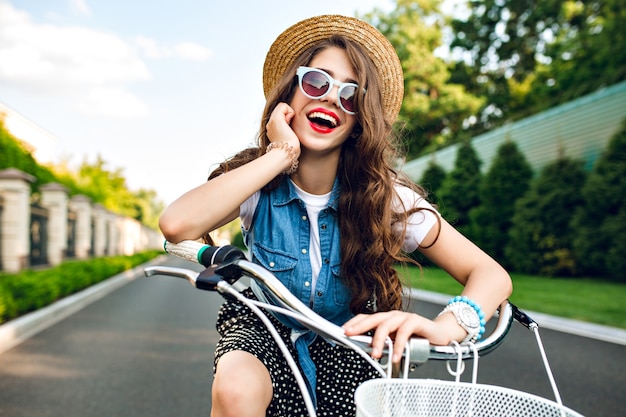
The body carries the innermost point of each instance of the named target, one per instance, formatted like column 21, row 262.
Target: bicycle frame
column 225, row 265
column 220, row 277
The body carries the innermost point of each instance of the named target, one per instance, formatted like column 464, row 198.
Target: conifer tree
column 432, row 179
column 540, row 240
column 460, row 189
column 600, row 224
column 506, row 181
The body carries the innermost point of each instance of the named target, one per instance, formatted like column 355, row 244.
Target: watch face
column 469, row 317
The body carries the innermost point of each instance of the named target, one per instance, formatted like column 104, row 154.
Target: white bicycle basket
column 404, row 397
column 395, row 397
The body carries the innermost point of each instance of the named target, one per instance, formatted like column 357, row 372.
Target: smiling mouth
column 323, row 119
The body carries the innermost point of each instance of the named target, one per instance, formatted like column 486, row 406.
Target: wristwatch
column 467, row 317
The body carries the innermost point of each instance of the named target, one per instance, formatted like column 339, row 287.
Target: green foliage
column 506, row 181
column 540, row 239
column 434, row 109
column 93, row 180
column 527, row 56
column 238, row 240
column 460, row 191
column 600, row 242
column 30, row 290
column 16, row 155
column 432, row 180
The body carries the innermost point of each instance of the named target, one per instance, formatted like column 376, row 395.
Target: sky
column 161, row 90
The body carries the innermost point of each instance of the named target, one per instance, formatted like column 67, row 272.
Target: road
column 147, row 350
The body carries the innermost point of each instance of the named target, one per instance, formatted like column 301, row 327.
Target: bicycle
column 390, row 395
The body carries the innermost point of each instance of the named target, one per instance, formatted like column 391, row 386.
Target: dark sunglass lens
column 315, row 84
column 346, row 96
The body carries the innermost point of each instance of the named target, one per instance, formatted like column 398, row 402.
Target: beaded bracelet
column 294, row 159
column 474, row 333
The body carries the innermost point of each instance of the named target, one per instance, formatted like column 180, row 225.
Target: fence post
column 15, row 220
column 100, row 239
column 54, row 198
column 81, row 205
column 113, row 243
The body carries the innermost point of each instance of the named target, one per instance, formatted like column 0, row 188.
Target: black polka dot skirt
column 339, row 370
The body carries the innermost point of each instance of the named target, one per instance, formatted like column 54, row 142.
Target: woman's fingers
column 397, row 324
column 278, row 125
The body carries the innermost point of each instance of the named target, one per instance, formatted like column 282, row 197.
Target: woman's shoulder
column 411, row 195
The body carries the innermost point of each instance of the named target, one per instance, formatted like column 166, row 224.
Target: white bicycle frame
column 221, row 275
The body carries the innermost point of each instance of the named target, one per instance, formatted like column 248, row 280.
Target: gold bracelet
column 294, row 159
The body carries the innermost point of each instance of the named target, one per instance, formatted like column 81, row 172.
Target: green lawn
column 583, row 299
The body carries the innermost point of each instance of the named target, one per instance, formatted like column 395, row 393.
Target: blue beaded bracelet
column 477, row 309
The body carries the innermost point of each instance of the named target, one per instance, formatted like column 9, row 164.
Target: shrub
column 30, row 290
column 600, row 223
column 540, row 240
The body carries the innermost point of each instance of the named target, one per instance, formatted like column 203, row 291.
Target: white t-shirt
column 418, row 225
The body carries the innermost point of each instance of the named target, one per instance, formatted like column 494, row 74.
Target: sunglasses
column 317, row 84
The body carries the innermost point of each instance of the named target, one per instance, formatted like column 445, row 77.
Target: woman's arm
column 485, row 282
column 217, row 202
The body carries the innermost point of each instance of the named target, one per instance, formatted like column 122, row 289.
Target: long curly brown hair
column 370, row 246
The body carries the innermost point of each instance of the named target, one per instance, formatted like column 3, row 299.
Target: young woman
column 322, row 207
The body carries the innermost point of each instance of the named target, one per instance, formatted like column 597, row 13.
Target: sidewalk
column 22, row 328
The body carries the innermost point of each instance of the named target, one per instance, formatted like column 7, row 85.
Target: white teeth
column 324, row 116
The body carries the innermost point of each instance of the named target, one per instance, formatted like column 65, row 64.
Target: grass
column 584, row 299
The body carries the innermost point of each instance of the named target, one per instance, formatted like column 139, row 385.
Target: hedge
column 30, row 290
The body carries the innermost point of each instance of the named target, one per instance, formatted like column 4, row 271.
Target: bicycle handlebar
column 226, row 264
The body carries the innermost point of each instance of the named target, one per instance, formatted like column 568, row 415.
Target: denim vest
column 278, row 240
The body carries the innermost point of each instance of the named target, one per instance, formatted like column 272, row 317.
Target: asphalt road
column 147, row 350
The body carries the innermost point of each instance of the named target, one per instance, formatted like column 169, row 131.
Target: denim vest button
column 304, row 218
column 272, row 264
column 283, row 216
column 319, row 294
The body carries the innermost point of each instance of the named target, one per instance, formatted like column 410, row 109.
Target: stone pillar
column 114, row 235
column 100, row 231
column 15, row 219
column 54, row 198
column 81, row 205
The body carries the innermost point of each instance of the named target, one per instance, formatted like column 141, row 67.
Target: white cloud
column 192, row 51
column 70, row 60
column 82, row 7
column 112, row 102
column 184, row 50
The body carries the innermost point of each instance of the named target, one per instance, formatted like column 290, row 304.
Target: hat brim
column 296, row 39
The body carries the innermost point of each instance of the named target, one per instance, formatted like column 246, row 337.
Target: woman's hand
column 401, row 326
column 278, row 126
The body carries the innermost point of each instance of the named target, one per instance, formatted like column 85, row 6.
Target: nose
column 333, row 94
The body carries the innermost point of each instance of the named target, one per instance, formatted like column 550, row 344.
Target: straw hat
column 301, row 36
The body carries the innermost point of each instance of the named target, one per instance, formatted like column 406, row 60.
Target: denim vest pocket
column 279, row 263
column 341, row 293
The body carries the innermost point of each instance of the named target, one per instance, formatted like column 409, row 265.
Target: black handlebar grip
column 212, row 255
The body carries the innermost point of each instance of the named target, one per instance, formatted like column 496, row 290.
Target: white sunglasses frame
column 304, row 70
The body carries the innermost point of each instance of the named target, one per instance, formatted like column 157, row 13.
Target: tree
column 459, row 192
column 434, row 110
column 15, row 154
column 432, row 179
column 525, row 56
column 540, row 240
column 507, row 180
column 93, row 180
column 600, row 224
